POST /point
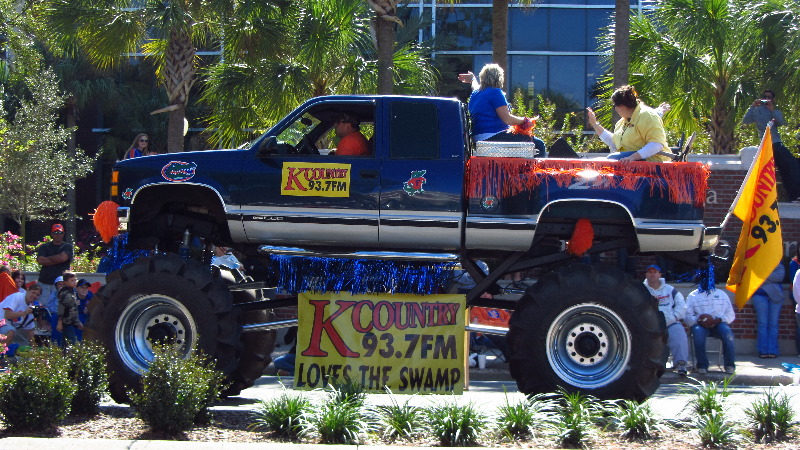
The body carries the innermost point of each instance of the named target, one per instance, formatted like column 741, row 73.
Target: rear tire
column 591, row 329
column 156, row 298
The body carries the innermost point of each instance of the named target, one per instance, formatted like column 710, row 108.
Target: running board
column 248, row 286
column 487, row 329
column 395, row 256
column 269, row 325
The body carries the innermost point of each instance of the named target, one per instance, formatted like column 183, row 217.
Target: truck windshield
column 296, row 130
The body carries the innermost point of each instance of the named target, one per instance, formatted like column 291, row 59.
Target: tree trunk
column 175, row 137
column 500, row 36
column 70, row 228
column 178, row 79
column 721, row 136
column 622, row 11
column 384, row 33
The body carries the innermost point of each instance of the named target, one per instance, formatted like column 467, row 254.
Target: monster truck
column 423, row 194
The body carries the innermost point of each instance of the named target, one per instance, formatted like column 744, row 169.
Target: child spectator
column 51, row 303
column 19, row 280
column 84, row 297
column 68, row 321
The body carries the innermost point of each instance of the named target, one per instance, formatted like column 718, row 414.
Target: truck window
column 414, row 131
column 295, row 131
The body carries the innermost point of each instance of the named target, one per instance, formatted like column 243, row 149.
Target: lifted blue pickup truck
column 423, row 194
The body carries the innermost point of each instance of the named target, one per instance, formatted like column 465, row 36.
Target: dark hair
column 765, row 92
column 68, row 275
column 625, row 96
column 4, row 269
column 17, row 273
column 35, row 287
column 352, row 119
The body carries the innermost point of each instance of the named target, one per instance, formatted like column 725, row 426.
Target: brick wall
column 727, row 175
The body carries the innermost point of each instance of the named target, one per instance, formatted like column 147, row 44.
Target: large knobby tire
column 588, row 328
column 257, row 346
column 162, row 298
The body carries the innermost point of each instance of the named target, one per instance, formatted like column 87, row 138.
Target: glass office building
column 552, row 45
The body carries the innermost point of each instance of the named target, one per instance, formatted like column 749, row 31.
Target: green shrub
column 36, row 393
column 176, row 392
column 634, row 420
column 86, row 362
column 517, row 421
column 340, row 420
column 400, row 421
column 347, row 391
column 282, row 416
column 575, row 417
column 770, row 416
column 714, row 430
column 707, row 397
column 454, row 425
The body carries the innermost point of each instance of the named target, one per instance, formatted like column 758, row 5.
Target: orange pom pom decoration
column 525, row 128
column 582, row 237
column 106, row 221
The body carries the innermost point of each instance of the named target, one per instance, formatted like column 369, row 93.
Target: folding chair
column 683, row 154
column 709, row 350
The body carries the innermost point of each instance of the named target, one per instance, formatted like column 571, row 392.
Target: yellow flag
column 760, row 245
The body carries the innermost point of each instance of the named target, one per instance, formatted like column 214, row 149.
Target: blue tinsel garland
column 359, row 276
column 119, row 255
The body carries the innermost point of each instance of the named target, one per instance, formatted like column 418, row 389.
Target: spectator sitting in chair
column 709, row 313
column 671, row 303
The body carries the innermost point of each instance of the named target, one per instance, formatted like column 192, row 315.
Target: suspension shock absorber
column 184, row 251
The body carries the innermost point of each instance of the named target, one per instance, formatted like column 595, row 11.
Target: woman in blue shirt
column 490, row 111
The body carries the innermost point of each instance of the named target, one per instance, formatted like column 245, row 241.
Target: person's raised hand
column 591, row 117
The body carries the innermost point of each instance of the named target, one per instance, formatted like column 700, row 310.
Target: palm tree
column 168, row 30
column 328, row 51
column 383, row 22
column 82, row 84
column 705, row 58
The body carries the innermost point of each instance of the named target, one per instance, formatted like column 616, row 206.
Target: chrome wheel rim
column 588, row 345
column 148, row 320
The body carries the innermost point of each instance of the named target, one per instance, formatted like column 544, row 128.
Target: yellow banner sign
column 409, row 343
column 315, row 179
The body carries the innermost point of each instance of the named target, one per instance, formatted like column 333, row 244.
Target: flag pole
column 746, row 177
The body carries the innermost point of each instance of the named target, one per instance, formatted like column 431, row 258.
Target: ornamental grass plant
column 634, row 420
column 771, row 416
column 454, row 425
column 283, row 416
column 520, row 420
column 400, row 421
column 341, row 418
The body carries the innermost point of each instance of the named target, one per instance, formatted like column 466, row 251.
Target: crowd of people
column 51, row 310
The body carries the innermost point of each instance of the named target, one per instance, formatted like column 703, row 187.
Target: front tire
column 162, row 298
column 591, row 329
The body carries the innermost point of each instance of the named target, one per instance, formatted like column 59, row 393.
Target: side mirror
column 268, row 146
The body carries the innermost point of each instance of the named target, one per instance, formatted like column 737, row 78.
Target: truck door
column 422, row 177
column 294, row 194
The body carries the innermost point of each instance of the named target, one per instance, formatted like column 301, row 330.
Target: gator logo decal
column 489, row 203
column 128, row 194
column 179, row 171
column 413, row 185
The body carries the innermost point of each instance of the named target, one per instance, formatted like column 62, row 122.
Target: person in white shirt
column 709, row 313
column 672, row 305
column 17, row 309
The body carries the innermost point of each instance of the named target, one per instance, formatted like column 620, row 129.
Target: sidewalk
column 750, row 371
